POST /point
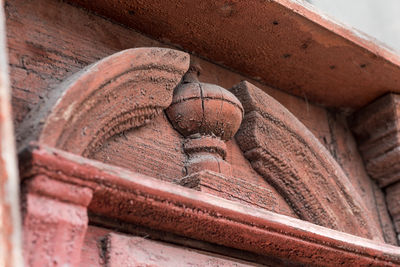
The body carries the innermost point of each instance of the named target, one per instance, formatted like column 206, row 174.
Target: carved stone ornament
column 126, row 91
column 288, row 156
column 206, row 115
column 131, row 198
column 120, row 92
column 123, row 91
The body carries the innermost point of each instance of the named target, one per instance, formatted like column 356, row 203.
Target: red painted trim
column 142, row 200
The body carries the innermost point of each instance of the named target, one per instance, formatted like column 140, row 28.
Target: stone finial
column 206, row 115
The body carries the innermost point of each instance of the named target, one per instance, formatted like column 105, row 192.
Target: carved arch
column 283, row 151
column 129, row 88
column 122, row 91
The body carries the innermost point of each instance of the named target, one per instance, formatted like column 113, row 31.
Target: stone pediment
column 112, row 111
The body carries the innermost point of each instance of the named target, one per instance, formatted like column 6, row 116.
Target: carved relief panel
column 144, row 110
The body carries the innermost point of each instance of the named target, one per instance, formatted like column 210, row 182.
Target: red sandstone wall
column 49, row 40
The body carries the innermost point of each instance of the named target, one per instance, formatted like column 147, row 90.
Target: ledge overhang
column 141, row 200
column 283, row 43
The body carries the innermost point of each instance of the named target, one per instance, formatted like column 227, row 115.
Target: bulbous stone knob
column 205, row 109
column 206, row 115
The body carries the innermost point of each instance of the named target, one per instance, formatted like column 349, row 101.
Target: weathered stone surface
column 54, row 221
column 94, row 248
column 207, row 115
column 285, row 43
column 345, row 151
column 158, row 150
column 376, row 127
column 120, row 92
column 393, row 202
column 290, row 158
column 133, row 251
column 207, row 109
column 50, row 40
column 136, row 199
column 377, row 130
column 232, row 188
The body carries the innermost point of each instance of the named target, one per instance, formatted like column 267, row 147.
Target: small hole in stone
column 275, row 22
column 363, row 65
column 131, row 12
column 304, row 46
column 332, row 67
column 287, row 55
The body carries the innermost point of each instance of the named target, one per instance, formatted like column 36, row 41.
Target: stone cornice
column 135, row 198
column 286, row 44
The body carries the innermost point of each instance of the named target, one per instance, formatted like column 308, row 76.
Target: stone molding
column 128, row 89
column 137, row 199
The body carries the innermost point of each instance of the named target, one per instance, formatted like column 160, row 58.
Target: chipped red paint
column 134, row 198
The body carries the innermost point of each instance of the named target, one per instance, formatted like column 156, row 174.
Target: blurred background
column 377, row 18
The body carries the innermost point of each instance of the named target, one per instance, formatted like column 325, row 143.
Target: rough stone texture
column 376, row 127
column 94, row 247
column 285, row 43
column 236, row 189
column 393, row 202
column 54, row 221
column 156, row 150
column 123, row 91
column 206, row 109
column 131, row 251
column 10, row 230
column 207, row 115
column 345, row 151
column 137, row 199
column 290, row 158
column 41, row 57
column 50, row 40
